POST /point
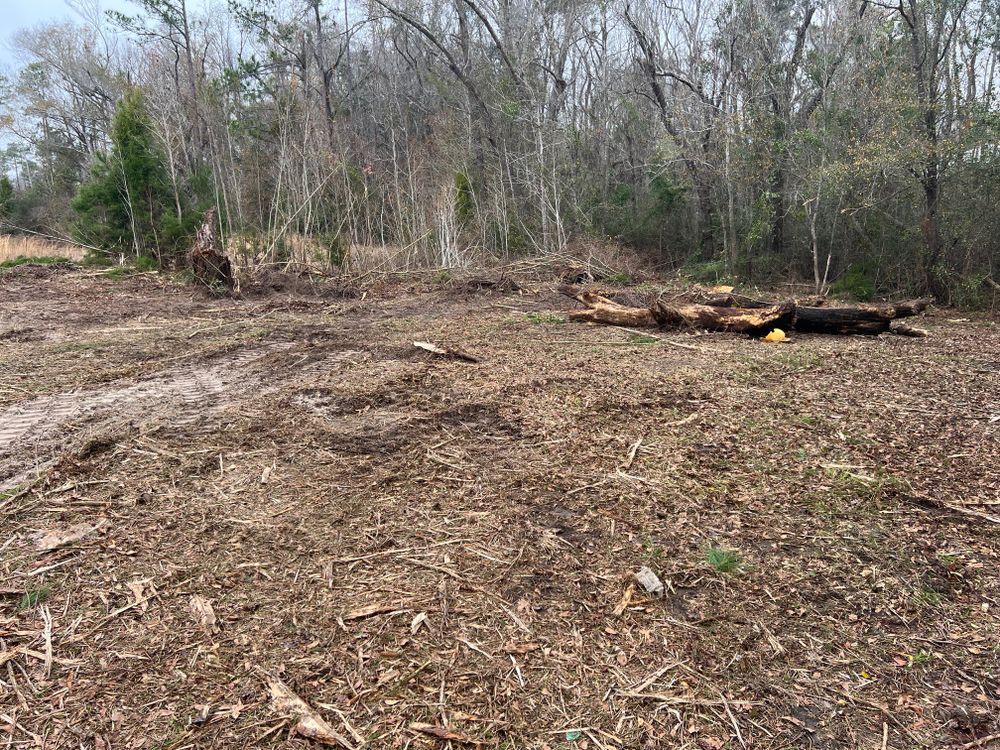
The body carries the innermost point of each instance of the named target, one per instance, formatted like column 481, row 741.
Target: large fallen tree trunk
column 602, row 310
column 811, row 318
column 744, row 315
column 869, row 319
column 739, row 319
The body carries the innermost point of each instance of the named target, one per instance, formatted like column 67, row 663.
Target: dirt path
column 33, row 432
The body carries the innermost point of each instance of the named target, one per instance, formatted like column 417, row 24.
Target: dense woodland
column 850, row 143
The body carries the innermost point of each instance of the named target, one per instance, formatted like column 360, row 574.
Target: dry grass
column 422, row 548
column 13, row 247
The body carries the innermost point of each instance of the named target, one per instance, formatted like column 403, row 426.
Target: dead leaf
column 308, row 723
column 265, row 476
column 441, row 733
column 721, row 289
column 419, row 620
column 138, row 591
column 202, row 609
column 46, row 541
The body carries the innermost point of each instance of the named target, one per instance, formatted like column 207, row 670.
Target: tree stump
column 209, row 264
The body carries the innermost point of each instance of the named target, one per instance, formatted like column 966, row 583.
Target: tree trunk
column 744, row 315
column 209, row 264
column 759, row 320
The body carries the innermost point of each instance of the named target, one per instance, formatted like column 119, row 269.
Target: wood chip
column 522, row 648
column 442, row 733
column 46, row 541
column 204, row 613
column 369, row 611
column 418, row 621
column 308, row 723
column 625, row 601
column 450, row 353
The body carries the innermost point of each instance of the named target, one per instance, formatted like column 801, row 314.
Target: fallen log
column 732, row 299
column 902, row 329
column 812, row 317
column 865, row 319
column 607, row 312
column 660, row 314
column 758, row 320
column 746, row 315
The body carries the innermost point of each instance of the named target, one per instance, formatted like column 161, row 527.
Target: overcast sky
column 15, row 14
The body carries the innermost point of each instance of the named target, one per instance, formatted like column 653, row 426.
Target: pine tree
column 121, row 207
column 6, row 199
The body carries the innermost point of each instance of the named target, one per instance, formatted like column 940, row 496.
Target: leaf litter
column 465, row 572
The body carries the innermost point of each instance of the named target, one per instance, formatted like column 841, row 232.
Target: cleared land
column 406, row 540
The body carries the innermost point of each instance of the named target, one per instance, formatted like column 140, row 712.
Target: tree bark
column 745, row 315
column 209, row 264
column 758, row 320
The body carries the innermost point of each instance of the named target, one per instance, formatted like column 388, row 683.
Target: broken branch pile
column 744, row 315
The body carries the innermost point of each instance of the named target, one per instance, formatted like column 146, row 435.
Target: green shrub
column 123, row 203
column 334, row 248
column 856, row 284
column 974, row 292
column 465, row 198
column 706, row 272
column 146, row 263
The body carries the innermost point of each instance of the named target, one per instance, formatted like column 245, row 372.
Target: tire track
column 31, row 432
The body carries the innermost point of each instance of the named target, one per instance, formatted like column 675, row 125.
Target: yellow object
column 721, row 289
column 776, row 335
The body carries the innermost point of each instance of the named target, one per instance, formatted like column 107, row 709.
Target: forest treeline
column 846, row 142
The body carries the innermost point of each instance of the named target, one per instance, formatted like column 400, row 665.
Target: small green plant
column 146, row 263
column 920, row 659
column 619, row 278
column 118, row 272
column 929, row 598
column 948, row 559
column 652, row 552
column 443, row 276
column 38, row 260
column 723, row 560
column 641, row 338
column 798, row 360
column 32, row 599
column 543, row 318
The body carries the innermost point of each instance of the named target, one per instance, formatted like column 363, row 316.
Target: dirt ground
column 201, row 496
